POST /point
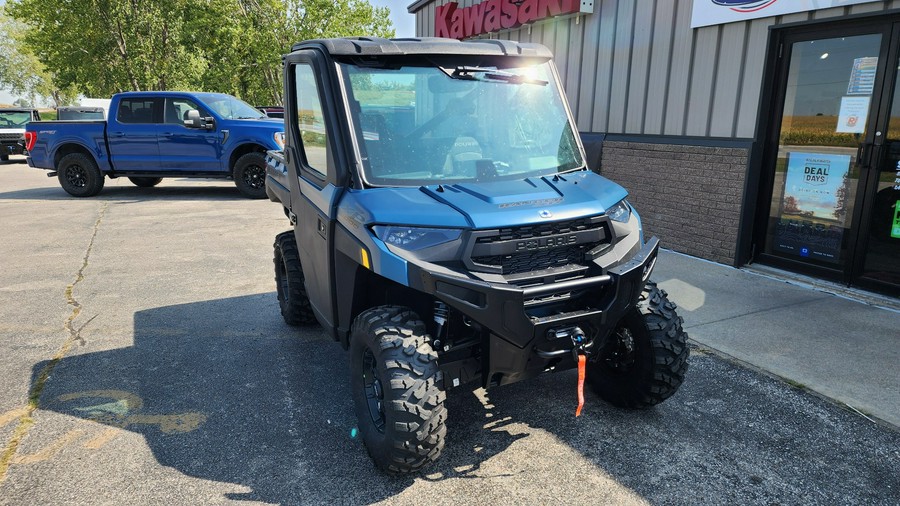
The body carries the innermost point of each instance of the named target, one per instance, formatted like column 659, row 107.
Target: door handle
column 863, row 154
column 320, row 226
column 117, row 134
column 167, row 134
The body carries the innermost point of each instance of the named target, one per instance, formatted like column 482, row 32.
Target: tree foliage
column 20, row 70
column 100, row 47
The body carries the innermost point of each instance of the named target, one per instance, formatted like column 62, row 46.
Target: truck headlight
column 415, row 239
column 279, row 139
column 620, row 212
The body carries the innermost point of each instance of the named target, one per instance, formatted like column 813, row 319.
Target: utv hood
column 486, row 205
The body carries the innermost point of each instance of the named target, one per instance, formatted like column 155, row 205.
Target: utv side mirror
column 195, row 121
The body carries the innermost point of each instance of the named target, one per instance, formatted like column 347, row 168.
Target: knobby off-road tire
column 79, row 175
column 145, row 182
column 289, row 281
column 250, row 175
column 644, row 361
column 397, row 389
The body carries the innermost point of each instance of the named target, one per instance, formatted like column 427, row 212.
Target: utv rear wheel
column 145, row 182
column 79, row 175
column 397, row 389
column 250, row 175
column 644, row 361
column 289, row 281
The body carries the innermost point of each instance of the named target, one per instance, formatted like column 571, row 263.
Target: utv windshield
column 229, row 107
column 14, row 119
column 425, row 125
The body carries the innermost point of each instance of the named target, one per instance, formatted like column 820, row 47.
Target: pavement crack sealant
column 74, row 336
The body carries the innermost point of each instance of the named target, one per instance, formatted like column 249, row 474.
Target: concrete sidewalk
column 835, row 345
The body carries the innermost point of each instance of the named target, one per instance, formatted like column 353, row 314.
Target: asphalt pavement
column 143, row 325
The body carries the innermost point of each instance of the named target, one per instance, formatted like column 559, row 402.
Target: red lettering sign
column 495, row 15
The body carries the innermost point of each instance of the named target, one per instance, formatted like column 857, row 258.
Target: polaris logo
column 545, row 243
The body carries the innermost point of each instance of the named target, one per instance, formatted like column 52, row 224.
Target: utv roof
column 17, row 109
column 374, row 46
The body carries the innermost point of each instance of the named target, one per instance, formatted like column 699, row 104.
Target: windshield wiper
column 488, row 74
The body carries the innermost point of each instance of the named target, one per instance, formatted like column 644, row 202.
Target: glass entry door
column 880, row 245
column 829, row 147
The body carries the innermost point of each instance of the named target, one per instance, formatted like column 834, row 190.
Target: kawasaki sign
column 455, row 22
column 717, row 12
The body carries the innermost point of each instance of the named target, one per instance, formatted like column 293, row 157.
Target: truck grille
column 538, row 247
column 10, row 136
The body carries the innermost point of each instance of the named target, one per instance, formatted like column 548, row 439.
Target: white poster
column 853, row 115
column 717, row 12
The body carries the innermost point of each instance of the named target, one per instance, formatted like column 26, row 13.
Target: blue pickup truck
column 152, row 135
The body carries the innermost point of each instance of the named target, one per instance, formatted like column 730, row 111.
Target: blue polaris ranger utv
column 446, row 231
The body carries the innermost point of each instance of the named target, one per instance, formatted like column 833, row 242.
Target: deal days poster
column 814, row 206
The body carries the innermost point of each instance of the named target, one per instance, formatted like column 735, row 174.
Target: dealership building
column 764, row 131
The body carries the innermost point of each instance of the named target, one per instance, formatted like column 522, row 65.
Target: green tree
column 105, row 46
column 22, row 73
column 244, row 40
column 100, row 47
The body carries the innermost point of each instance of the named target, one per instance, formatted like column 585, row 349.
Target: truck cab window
column 177, row 109
column 311, row 120
column 138, row 110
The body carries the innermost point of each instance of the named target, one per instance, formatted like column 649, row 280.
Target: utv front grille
column 532, row 248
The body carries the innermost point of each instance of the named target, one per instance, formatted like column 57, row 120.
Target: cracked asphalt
column 143, row 360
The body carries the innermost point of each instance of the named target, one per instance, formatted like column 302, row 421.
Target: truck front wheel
column 250, row 175
column 397, row 388
column 644, row 361
column 289, row 281
column 145, row 182
column 79, row 175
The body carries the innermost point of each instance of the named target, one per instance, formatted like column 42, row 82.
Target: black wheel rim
column 255, row 177
column 374, row 390
column 76, row 176
column 619, row 353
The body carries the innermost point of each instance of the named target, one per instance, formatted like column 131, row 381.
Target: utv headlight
column 279, row 139
column 620, row 212
column 415, row 239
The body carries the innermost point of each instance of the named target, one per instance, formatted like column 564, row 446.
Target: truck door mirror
column 193, row 120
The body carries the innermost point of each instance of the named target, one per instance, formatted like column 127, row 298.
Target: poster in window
column 853, row 115
column 814, row 207
column 862, row 76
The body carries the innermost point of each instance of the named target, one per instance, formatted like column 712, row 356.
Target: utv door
column 312, row 150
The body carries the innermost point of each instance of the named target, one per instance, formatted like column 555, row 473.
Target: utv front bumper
column 525, row 323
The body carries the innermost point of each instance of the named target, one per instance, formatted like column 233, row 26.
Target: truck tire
column 145, row 182
column 644, row 361
column 79, row 175
column 289, row 281
column 397, row 389
column 4, row 158
column 250, row 175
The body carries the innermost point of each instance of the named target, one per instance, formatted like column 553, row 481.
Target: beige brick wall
column 688, row 196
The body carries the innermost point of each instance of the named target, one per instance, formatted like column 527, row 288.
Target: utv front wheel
column 644, row 361
column 289, row 282
column 397, row 389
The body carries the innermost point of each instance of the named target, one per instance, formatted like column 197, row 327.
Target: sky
column 404, row 24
